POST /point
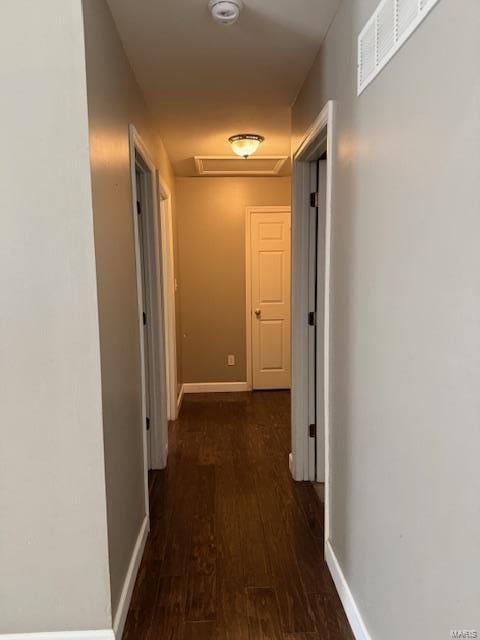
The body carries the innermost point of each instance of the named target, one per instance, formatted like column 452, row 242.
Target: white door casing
column 169, row 314
column 318, row 139
column 158, row 414
column 270, row 304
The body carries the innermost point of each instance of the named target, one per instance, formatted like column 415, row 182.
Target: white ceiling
column 205, row 82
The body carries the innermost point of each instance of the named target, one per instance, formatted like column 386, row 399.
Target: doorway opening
column 311, row 230
column 316, row 306
column 141, row 183
column 150, row 296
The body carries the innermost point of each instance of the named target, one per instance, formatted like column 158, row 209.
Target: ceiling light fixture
column 225, row 11
column 245, row 144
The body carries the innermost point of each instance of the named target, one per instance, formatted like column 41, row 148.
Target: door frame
column 309, row 150
column 158, row 417
column 249, row 211
column 169, row 289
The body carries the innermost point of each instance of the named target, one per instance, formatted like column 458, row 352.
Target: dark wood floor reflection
column 236, row 548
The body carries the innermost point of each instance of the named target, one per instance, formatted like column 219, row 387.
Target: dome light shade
column 225, row 11
column 245, row 144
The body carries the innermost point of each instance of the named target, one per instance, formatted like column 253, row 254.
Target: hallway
column 236, row 548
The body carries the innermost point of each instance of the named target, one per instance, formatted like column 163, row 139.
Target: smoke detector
column 225, row 11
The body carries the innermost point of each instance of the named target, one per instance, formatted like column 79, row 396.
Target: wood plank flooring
column 236, row 547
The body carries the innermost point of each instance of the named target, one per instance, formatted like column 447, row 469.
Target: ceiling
column 205, row 82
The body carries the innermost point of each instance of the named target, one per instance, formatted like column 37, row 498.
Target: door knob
column 257, row 312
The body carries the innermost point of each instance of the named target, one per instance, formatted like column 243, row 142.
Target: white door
column 270, row 287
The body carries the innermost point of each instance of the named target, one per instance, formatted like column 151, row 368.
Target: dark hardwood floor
column 236, row 547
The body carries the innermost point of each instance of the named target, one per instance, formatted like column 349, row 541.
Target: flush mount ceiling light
column 225, row 11
column 245, row 144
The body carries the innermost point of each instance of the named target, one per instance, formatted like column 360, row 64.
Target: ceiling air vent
column 235, row 166
column 391, row 25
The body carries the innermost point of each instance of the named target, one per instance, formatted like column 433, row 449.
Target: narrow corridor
column 236, row 548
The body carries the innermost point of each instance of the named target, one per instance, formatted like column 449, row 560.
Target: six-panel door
column 271, row 275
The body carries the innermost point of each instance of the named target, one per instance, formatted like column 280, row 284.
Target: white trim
column 159, row 400
column 137, row 145
column 351, row 609
column 300, row 342
column 180, row 399
column 290, row 463
column 159, row 428
column 128, row 585
column 168, row 270
column 248, row 280
column 101, row 634
column 215, row 387
column 201, row 171
column 328, row 295
column 321, row 130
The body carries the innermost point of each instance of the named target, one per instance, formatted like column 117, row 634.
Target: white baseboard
column 126, row 595
column 291, row 465
column 353, row 614
column 166, row 456
column 122, row 609
column 214, row 387
column 180, row 399
column 100, row 634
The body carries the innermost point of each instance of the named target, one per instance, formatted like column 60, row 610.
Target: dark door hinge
column 314, row 200
column 312, row 318
column 312, row 430
column 144, row 315
column 148, row 424
column 139, row 207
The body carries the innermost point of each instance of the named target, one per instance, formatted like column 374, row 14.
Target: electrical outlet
column 231, row 361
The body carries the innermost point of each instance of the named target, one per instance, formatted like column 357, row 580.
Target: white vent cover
column 383, row 35
column 235, row 166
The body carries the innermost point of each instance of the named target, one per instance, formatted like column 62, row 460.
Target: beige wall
column 405, row 318
column 211, row 231
column 115, row 101
column 53, row 532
